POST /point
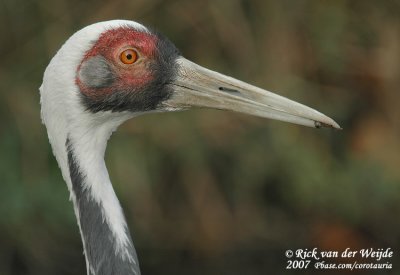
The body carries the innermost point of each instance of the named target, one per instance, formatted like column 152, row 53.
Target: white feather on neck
column 65, row 117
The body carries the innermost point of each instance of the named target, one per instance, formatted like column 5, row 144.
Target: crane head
column 127, row 69
column 123, row 69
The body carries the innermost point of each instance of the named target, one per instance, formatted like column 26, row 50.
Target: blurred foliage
column 210, row 192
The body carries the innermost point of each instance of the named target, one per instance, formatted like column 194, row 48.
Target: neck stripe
column 101, row 252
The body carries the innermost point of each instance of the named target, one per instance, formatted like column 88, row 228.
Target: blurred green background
column 211, row 192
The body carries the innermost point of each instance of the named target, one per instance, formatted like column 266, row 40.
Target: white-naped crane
column 112, row 71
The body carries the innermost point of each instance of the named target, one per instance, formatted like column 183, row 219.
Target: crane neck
column 106, row 239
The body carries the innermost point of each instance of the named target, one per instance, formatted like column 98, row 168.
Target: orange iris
column 128, row 56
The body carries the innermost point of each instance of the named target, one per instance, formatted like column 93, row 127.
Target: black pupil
column 129, row 56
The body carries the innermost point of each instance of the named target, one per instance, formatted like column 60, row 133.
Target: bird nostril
column 230, row 91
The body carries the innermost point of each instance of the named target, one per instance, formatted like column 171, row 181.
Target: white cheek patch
column 95, row 72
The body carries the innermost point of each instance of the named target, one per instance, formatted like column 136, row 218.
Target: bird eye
column 128, row 56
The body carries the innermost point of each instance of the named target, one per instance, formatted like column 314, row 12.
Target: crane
column 107, row 73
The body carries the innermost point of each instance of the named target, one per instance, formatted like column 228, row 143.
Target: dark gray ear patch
column 95, row 72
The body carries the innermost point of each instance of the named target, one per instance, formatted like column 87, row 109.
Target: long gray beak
column 196, row 86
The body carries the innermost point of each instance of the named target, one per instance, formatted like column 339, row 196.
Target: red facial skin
column 110, row 45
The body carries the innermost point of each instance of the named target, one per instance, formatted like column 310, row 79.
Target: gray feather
column 96, row 73
column 100, row 247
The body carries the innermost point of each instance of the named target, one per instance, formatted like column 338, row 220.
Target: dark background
column 205, row 191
